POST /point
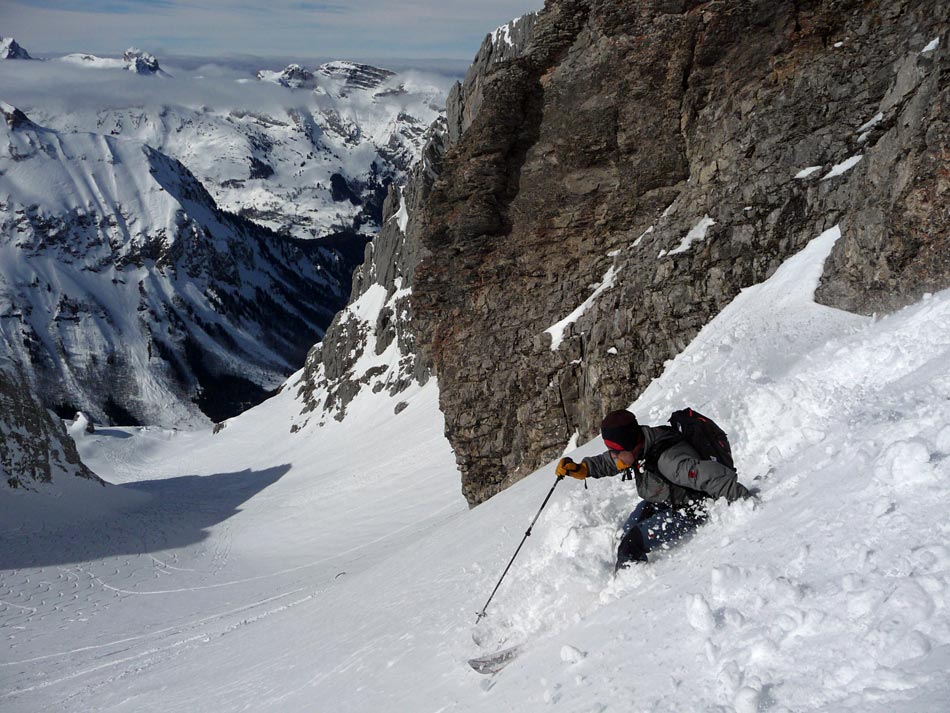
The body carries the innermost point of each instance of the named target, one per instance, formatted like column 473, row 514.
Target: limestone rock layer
column 665, row 154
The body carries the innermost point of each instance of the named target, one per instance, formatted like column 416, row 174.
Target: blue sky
column 359, row 29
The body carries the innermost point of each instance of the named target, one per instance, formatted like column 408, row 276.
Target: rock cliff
column 372, row 343
column 613, row 182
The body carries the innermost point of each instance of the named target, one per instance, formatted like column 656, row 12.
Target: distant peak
column 141, row 62
column 292, row 76
column 353, row 74
column 9, row 49
column 133, row 59
column 15, row 118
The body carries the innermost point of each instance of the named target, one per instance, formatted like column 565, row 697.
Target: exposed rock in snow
column 338, row 78
column 82, row 424
column 34, row 446
column 14, row 118
column 371, row 347
column 352, row 75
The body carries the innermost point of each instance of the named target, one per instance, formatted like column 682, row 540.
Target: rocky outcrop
column 13, row 117
column 34, row 446
column 614, row 182
column 896, row 231
column 506, row 43
column 371, row 345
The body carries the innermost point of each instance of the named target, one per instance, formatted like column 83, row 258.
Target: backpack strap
column 666, row 437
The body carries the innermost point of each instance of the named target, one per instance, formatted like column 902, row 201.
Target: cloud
column 320, row 7
column 61, row 88
column 367, row 28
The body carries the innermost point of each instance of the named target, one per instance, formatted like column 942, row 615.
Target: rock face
column 505, row 43
column 659, row 156
column 34, row 446
column 896, row 230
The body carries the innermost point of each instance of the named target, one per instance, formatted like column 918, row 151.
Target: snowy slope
column 266, row 148
column 338, row 568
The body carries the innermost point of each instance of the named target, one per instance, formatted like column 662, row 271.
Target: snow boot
column 632, row 549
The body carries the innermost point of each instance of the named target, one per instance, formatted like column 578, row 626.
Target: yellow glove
column 568, row 467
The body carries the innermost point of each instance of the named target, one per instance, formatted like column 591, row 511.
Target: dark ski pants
column 651, row 525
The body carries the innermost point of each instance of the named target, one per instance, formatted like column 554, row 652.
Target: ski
column 493, row 663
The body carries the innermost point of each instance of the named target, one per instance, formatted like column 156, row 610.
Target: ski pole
column 526, row 535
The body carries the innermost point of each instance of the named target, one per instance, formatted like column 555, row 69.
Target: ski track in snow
column 830, row 593
column 96, row 586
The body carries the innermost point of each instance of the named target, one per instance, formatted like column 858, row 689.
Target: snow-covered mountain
column 126, row 292
column 10, row 49
column 352, row 76
column 338, row 78
column 293, row 76
column 308, row 164
column 307, row 153
column 249, row 570
column 133, row 60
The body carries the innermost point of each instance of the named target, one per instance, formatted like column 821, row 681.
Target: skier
column 673, row 481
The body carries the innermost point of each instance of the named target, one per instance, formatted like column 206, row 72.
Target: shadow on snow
column 179, row 513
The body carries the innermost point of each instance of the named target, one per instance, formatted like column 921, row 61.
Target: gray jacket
column 680, row 477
